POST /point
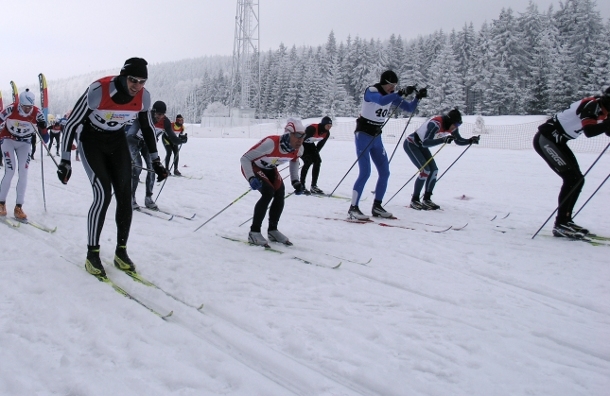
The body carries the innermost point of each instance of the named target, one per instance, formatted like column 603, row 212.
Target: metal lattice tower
column 245, row 84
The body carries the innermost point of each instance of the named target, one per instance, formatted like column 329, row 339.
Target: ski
column 154, row 213
column 9, row 222
column 445, row 229
column 500, row 218
column 586, row 239
column 175, row 214
column 597, row 237
column 44, row 97
column 188, row 177
column 123, row 292
column 39, row 226
column 268, row 248
column 138, row 278
column 15, row 93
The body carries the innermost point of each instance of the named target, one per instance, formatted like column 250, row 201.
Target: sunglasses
column 134, row 80
column 299, row 135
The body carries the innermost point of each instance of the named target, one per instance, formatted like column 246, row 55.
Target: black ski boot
column 93, row 264
column 427, row 202
column 122, row 260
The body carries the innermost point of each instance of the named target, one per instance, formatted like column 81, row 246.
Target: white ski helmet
column 26, row 98
column 294, row 125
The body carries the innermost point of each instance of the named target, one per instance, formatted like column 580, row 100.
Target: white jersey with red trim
column 580, row 114
column 108, row 115
column 268, row 154
column 19, row 126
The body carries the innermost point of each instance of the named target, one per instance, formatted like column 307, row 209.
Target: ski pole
column 285, row 197
column 571, row 191
column 456, row 160
column 223, row 209
column 44, row 196
column 406, row 126
column 283, row 178
column 169, row 172
column 416, row 173
column 594, row 192
column 400, row 138
column 366, row 148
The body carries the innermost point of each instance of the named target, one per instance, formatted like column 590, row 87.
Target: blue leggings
column 419, row 156
column 370, row 147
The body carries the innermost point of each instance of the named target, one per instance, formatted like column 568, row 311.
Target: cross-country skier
column 376, row 104
column 139, row 150
column 55, row 132
column 103, row 110
column 588, row 116
column 316, row 136
column 20, row 123
column 259, row 167
column 177, row 128
column 437, row 130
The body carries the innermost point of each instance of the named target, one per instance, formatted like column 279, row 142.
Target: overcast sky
column 64, row 38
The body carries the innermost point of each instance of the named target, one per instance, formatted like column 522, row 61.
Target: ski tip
column 165, row 317
column 200, row 307
column 337, row 266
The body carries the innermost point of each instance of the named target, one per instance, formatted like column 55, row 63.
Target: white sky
column 64, row 38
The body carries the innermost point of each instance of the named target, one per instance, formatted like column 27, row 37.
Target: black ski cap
column 455, row 116
column 388, row 77
column 326, row 121
column 159, row 107
column 135, row 67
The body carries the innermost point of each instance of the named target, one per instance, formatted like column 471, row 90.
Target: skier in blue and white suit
column 378, row 99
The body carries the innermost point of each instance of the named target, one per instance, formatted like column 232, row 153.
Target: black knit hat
column 159, row 107
column 388, row 77
column 179, row 116
column 455, row 116
column 135, row 67
column 326, row 121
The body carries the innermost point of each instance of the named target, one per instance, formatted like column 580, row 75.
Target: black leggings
column 169, row 149
column 107, row 161
column 273, row 189
column 555, row 151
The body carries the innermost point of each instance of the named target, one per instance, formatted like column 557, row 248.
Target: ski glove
column 64, row 171
column 183, row 138
column 448, row 139
column 159, row 170
column 255, row 183
column 475, row 139
column 299, row 188
column 422, row 93
column 407, row 91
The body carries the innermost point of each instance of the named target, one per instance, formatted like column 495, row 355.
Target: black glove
column 474, row 139
column 159, row 170
column 64, row 171
column 298, row 187
column 407, row 91
column 255, row 183
column 183, row 138
column 422, row 93
column 448, row 139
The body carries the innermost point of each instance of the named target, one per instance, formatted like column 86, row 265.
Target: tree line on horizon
column 531, row 62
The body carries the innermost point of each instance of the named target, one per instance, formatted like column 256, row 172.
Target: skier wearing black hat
column 171, row 147
column 102, row 111
column 316, row 136
column 376, row 104
column 437, row 130
column 588, row 116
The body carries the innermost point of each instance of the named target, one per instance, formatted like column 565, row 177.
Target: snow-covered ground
column 481, row 311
